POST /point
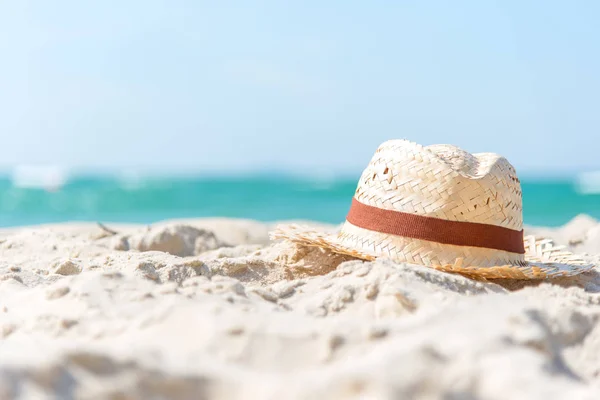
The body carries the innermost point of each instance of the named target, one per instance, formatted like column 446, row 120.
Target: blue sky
column 308, row 86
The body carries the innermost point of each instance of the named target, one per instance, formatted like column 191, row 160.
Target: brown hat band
column 434, row 229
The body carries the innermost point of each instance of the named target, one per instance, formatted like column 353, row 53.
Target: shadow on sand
column 589, row 281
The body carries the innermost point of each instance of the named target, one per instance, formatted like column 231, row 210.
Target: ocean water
column 112, row 199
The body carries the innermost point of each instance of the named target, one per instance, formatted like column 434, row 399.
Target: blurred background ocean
column 27, row 198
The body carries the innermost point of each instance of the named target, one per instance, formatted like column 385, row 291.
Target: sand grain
column 210, row 309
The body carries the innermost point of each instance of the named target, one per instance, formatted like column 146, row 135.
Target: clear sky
column 305, row 85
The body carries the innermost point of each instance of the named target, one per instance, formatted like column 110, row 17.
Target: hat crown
column 443, row 181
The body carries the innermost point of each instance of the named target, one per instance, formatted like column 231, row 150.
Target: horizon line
column 40, row 170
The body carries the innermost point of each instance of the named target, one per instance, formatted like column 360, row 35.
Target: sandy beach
column 211, row 309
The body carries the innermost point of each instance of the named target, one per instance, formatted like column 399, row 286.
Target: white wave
column 588, row 182
column 41, row 177
column 131, row 179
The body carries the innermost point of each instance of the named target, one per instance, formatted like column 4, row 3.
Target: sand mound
column 80, row 318
column 179, row 240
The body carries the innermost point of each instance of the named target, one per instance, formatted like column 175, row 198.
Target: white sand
column 91, row 316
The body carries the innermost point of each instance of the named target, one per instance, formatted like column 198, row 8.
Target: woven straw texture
column 442, row 181
column 543, row 258
column 447, row 183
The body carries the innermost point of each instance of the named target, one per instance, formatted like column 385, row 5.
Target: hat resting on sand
column 441, row 207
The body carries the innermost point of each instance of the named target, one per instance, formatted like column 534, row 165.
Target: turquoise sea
column 111, row 199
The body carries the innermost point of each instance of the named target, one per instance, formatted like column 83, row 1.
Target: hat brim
column 543, row 258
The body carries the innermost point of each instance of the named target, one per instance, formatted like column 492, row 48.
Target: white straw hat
column 445, row 208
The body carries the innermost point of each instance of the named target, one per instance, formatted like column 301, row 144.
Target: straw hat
column 445, row 208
